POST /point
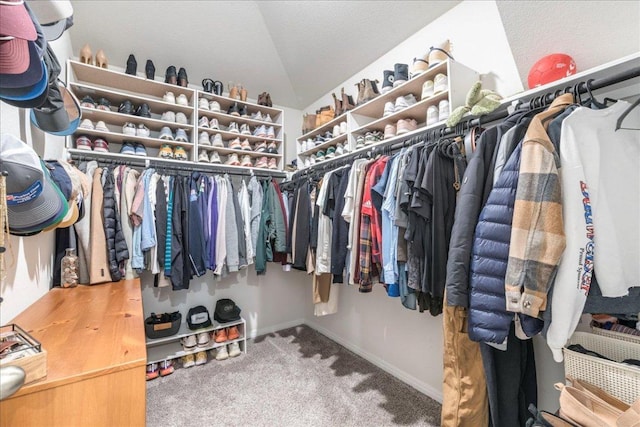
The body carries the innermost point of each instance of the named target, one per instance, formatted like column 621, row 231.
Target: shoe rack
column 169, row 348
column 368, row 117
column 225, row 120
column 115, row 86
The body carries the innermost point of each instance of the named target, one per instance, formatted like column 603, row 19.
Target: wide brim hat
column 34, row 202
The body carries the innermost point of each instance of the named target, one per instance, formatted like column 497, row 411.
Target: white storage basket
column 618, row 379
column 617, row 335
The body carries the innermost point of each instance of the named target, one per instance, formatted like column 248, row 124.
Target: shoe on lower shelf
column 129, row 129
column 86, row 124
column 152, row 371
column 181, row 118
column 166, row 368
column 220, row 335
column 222, row 353
column 233, row 333
column 234, row 349
column 203, row 156
column 179, row 153
column 215, row 157
column 273, row 163
column 188, row 361
column 189, row 342
column 101, row 126
column 139, row 149
column 201, row 358
column 203, row 339
column 166, row 152
column 262, row 162
column 101, row 145
column 128, row 147
column 246, row 161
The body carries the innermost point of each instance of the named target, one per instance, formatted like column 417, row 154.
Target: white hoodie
column 600, row 179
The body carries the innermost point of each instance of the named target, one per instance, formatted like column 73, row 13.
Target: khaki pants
column 464, row 387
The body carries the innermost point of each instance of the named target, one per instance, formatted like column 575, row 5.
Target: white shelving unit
column 168, row 348
column 116, row 87
column 368, row 117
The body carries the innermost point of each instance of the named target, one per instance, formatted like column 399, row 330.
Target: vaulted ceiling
column 300, row 50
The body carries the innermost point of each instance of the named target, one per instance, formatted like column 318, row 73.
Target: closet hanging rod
column 160, row 165
column 544, row 98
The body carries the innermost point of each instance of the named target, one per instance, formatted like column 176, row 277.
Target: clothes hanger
column 592, row 99
column 625, row 113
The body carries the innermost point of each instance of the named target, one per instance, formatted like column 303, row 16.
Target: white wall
column 29, row 259
column 479, row 42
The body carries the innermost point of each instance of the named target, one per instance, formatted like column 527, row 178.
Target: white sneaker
column 403, row 102
column 203, row 157
column 234, row 348
column 142, row 130
column 203, row 104
column 215, row 157
column 389, row 109
column 432, row 115
column 203, row 337
column 443, row 113
column 339, row 149
column 427, row 89
column 86, row 124
column 271, row 133
column 169, row 97
column 203, row 122
column 233, row 127
column 181, row 118
column 343, row 128
column 182, row 100
column 216, row 140
column 336, row 130
column 102, row 127
column 244, row 129
column 257, row 116
column 129, row 129
column 222, row 353
column 268, row 119
column 232, row 160
column 188, row 361
column 204, row 138
column 440, row 83
column 168, row 116
column 246, row 161
column 311, row 143
column 214, row 106
column 189, row 342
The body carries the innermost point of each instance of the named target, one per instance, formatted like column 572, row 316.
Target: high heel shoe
column 132, row 65
column 150, row 70
column 243, row 93
column 85, row 55
column 170, row 76
column 182, row 77
column 101, row 59
column 233, row 91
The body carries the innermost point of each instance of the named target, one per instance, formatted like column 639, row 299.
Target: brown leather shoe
column 587, row 411
column 594, row 391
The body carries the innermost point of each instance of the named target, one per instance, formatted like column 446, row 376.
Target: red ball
column 551, row 68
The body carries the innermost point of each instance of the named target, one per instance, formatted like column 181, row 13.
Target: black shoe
column 218, row 87
column 182, row 77
column 387, row 80
column 126, row 107
column 143, row 110
column 103, row 104
column 243, row 111
column 207, row 85
column 171, row 77
column 234, row 110
column 150, row 70
column 400, row 74
column 132, row 65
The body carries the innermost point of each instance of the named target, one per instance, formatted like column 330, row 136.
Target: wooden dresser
column 94, row 337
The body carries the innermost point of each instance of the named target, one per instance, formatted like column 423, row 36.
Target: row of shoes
column 233, row 160
column 179, row 117
column 164, row 368
column 99, row 145
column 131, row 129
column 402, row 126
column 438, row 113
column 368, row 138
column 133, row 148
column 167, row 151
column 202, row 339
column 332, row 151
column 181, row 99
column 235, row 144
column 167, row 134
column 221, row 353
column 86, row 57
column 103, row 104
column 233, row 110
column 261, row 131
column 99, row 126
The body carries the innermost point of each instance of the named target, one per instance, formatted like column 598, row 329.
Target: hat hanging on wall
column 54, row 16
column 34, row 201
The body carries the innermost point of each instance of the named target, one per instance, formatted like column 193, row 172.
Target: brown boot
column 308, row 122
column 347, row 101
column 338, row 105
column 360, row 86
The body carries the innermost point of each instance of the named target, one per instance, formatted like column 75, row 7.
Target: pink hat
column 15, row 20
column 14, row 56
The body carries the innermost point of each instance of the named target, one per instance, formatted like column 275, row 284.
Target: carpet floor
column 294, row 377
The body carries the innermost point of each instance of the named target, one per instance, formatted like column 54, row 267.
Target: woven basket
column 618, row 379
column 617, row 335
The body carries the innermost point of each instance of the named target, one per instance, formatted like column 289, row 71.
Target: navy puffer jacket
column 489, row 320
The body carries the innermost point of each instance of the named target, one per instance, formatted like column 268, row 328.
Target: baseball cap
column 69, row 186
column 34, row 202
column 60, row 114
column 16, row 55
column 15, row 20
column 54, row 16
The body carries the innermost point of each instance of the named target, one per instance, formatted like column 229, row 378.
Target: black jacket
column 117, row 251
